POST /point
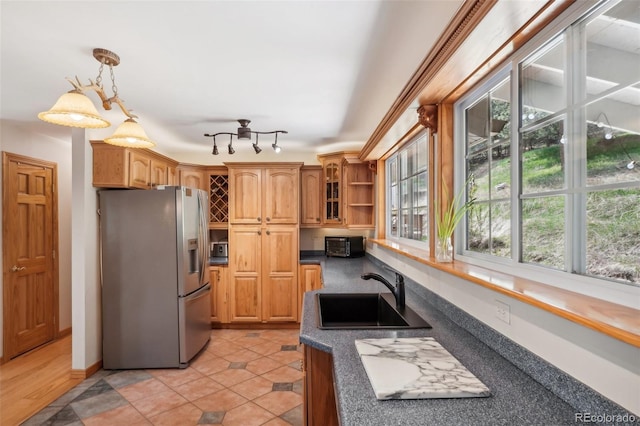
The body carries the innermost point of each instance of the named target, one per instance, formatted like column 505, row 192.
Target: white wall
column 86, row 294
column 605, row 364
column 17, row 140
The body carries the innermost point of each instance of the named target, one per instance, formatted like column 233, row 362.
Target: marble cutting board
column 416, row 368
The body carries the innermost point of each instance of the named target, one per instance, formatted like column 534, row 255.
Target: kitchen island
column 515, row 397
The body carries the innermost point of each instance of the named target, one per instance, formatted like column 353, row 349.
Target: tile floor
column 244, row 377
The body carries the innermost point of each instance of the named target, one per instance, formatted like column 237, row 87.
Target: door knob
column 15, row 268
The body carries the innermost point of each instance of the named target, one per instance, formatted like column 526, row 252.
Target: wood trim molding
column 64, row 333
column 469, row 48
column 83, row 374
column 461, row 26
column 617, row 321
column 428, row 117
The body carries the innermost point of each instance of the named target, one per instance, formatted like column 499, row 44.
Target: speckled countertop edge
column 516, row 397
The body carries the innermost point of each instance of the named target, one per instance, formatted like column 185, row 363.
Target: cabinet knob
column 268, row 219
column 259, row 232
column 317, row 219
column 268, row 232
column 258, row 219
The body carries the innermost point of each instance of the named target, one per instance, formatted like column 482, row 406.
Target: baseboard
column 255, row 325
column 83, row 374
column 64, row 333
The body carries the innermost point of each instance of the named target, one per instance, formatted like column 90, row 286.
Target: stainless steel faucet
column 398, row 290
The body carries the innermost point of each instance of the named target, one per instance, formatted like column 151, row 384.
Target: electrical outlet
column 503, row 312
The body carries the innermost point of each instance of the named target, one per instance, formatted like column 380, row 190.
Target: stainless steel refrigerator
column 156, row 296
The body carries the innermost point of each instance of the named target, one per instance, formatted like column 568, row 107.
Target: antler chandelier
column 75, row 109
column 245, row 132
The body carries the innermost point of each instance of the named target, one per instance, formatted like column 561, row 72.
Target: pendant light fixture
column 75, row 109
column 244, row 132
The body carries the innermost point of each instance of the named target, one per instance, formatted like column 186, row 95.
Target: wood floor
column 31, row 382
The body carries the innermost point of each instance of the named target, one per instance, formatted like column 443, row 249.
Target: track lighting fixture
column 244, row 132
column 275, row 146
column 215, row 147
column 231, row 150
column 75, row 109
column 256, row 148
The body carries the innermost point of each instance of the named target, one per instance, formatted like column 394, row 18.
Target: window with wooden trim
column 553, row 144
column 408, row 192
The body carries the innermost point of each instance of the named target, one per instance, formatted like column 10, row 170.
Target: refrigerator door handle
column 202, row 234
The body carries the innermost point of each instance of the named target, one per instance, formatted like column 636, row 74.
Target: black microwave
column 344, row 246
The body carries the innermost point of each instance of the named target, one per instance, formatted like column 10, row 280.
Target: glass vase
column 444, row 250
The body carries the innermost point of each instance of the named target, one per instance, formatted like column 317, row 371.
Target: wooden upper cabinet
column 281, row 195
column 245, row 201
column 159, row 173
column 310, row 196
column 139, row 170
column 359, row 193
column 192, row 176
column 110, row 166
column 332, row 192
column 264, row 194
column 348, row 191
column 118, row 167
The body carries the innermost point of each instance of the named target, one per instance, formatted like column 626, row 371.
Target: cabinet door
column 110, row 166
column 281, row 196
column 245, row 251
column 139, row 170
column 245, row 196
column 218, row 276
column 310, row 277
column 158, row 173
column 310, row 197
column 319, row 395
column 172, row 177
column 332, row 194
column 192, row 179
column 280, row 272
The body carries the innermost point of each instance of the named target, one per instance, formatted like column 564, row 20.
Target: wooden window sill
column 617, row 321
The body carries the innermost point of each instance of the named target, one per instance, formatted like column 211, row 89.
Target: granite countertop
column 515, row 397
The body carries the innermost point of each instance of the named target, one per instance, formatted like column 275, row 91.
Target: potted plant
column 448, row 219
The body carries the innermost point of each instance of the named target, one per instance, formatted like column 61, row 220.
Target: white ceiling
column 325, row 71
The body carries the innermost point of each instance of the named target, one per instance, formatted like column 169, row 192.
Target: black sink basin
column 364, row 310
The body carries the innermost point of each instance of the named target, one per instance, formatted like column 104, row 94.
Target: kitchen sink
column 365, row 311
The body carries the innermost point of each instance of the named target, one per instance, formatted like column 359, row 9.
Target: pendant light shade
column 131, row 135
column 74, row 109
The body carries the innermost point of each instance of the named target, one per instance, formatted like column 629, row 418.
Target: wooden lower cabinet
column 218, row 277
column 310, row 279
column 263, row 274
column 319, row 396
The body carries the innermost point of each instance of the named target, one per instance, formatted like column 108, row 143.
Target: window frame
column 600, row 287
column 421, row 244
